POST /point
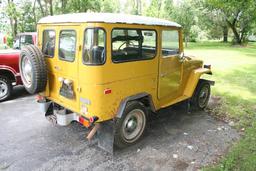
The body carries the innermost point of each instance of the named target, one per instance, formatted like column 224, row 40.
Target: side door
column 169, row 81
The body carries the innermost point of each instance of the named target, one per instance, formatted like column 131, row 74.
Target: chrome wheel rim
column 203, row 96
column 3, row 89
column 26, row 67
column 133, row 125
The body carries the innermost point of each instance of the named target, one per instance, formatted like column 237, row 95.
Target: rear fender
column 139, row 97
column 194, row 79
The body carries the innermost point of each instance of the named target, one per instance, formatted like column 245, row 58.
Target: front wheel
column 201, row 95
column 131, row 126
column 5, row 88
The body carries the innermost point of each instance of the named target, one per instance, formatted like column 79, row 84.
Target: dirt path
column 175, row 140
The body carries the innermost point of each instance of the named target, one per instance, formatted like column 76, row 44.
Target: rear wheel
column 33, row 69
column 131, row 126
column 201, row 95
column 5, row 88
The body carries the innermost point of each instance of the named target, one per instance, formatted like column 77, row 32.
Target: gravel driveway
column 175, row 140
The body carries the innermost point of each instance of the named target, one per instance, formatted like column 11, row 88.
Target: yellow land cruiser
column 110, row 71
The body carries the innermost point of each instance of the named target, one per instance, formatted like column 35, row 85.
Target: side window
column 170, row 42
column 94, row 51
column 133, row 44
column 67, row 45
column 48, row 43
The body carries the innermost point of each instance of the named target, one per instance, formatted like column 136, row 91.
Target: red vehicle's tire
column 33, row 69
column 5, row 88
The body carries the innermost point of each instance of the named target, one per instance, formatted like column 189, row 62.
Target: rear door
column 61, row 47
column 67, row 65
column 169, row 66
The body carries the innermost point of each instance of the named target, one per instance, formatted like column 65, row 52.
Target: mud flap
column 50, row 116
column 105, row 136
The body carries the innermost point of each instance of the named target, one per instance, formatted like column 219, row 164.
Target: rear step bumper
column 63, row 117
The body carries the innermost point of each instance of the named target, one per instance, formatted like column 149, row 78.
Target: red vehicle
column 9, row 64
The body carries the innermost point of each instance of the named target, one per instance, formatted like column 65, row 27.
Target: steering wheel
column 129, row 43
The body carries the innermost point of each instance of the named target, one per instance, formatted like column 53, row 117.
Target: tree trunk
column 232, row 25
column 15, row 25
column 41, row 7
column 186, row 41
column 34, row 14
column 51, row 8
column 225, row 34
column 13, row 22
column 237, row 36
column 63, row 6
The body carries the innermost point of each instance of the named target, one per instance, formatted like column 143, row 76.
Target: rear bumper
column 63, row 116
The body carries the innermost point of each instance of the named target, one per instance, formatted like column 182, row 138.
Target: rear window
column 67, row 45
column 170, row 42
column 48, row 43
column 94, row 51
column 133, row 44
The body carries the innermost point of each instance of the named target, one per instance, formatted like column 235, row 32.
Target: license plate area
column 67, row 91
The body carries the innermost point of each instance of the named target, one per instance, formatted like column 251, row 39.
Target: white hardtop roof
column 106, row 18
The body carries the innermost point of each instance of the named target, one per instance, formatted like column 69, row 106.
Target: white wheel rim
column 133, row 125
column 3, row 89
column 26, row 71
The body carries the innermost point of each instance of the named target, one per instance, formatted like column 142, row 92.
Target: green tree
column 84, row 5
column 183, row 13
column 13, row 14
column 239, row 16
column 112, row 6
column 155, row 8
column 27, row 19
column 213, row 22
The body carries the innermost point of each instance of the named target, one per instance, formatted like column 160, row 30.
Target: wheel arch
column 8, row 74
column 194, row 79
column 144, row 98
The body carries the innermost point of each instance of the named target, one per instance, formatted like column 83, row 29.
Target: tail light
column 84, row 121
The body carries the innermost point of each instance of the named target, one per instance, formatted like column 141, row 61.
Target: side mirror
column 182, row 56
column 16, row 44
column 15, row 47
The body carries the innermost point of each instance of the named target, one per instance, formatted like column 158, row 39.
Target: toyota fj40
column 110, row 71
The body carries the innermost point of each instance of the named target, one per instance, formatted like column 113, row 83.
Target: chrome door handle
column 163, row 74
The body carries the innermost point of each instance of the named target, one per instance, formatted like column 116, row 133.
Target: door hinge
column 79, row 89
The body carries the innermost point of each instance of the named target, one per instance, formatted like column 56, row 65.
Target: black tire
column 37, row 82
column 120, row 139
column 201, row 95
column 5, row 88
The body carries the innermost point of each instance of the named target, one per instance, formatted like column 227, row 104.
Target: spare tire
column 33, row 69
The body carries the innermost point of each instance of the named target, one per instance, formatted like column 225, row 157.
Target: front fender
column 194, row 79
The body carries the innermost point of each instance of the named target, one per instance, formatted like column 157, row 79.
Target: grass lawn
column 234, row 70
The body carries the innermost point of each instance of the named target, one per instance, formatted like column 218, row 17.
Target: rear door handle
column 163, row 74
column 57, row 68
